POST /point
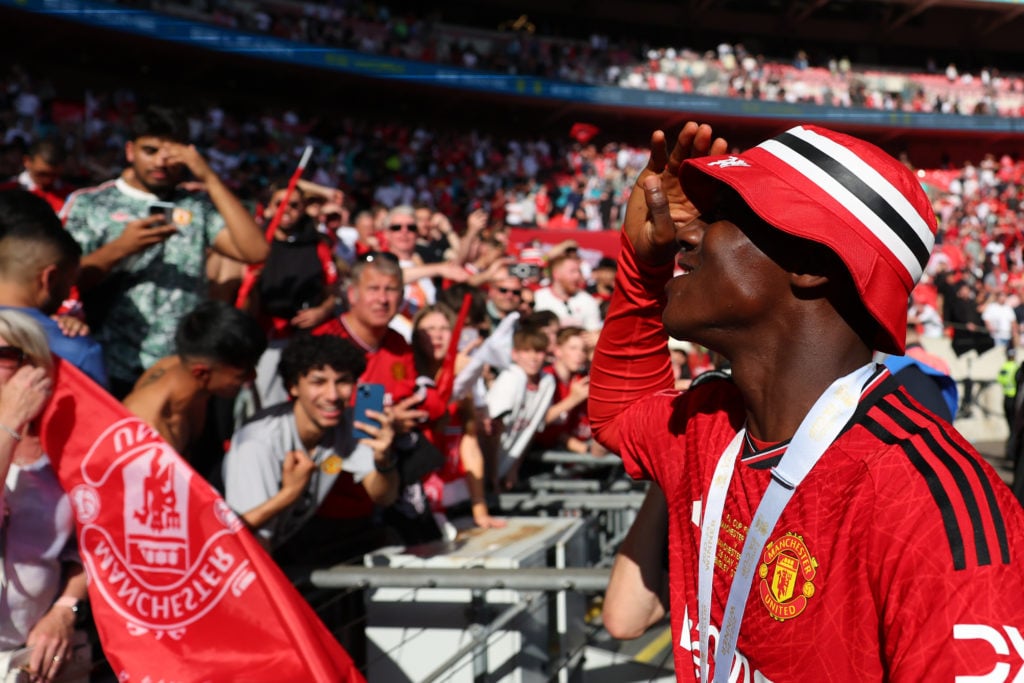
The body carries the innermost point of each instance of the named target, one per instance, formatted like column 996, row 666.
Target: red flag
column 179, row 589
column 446, row 377
column 292, row 182
column 583, row 132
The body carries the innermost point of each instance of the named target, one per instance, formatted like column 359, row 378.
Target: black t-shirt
column 292, row 277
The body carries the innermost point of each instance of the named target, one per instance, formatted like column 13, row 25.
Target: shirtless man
column 217, row 349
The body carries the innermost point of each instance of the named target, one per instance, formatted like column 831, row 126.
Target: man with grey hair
column 420, row 285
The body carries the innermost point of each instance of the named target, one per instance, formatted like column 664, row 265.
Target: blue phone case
column 368, row 397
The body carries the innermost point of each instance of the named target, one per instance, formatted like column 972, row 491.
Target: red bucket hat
column 844, row 193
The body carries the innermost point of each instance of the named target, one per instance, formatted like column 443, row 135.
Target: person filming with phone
column 145, row 240
column 283, row 462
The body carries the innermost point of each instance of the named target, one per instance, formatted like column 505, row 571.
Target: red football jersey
column 898, row 557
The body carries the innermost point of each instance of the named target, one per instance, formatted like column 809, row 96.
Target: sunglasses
column 371, row 256
column 12, row 354
column 506, row 290
column 332, row 217
column 396, row 227
column 291, row 205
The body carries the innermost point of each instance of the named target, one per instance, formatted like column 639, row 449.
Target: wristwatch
column 69, row 602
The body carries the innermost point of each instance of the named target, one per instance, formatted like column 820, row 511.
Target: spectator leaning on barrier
column 145, row 240
column 283, row 462
column 819, row 520
column 374, row 296
column 216, row 349
column 517, row 403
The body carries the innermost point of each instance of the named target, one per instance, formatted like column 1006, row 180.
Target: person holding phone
column 143, row 268
column 285, row 460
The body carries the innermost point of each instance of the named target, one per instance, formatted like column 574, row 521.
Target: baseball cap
column 843, row 193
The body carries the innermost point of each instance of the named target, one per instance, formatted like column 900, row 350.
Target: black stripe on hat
column 874, row 201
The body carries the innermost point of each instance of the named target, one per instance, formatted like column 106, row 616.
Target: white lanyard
column 817, row 431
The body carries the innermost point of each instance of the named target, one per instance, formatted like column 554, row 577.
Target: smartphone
column 468, row 336
column 368, row 397
column 164, row 208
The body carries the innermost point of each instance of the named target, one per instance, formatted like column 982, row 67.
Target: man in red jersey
column 821, row 524
column 43, row 164
column 374, row 297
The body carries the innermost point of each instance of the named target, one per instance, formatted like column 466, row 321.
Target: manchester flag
column 179, row 589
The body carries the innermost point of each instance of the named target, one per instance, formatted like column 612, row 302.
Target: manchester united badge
column 787, row 576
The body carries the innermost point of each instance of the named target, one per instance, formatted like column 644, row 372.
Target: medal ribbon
column 819, row 428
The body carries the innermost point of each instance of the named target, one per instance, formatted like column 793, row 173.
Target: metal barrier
column 506, row 605
column 528, row 579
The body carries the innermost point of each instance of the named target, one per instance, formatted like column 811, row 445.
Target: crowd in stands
column 526, row 181
column 516, row 48
column 240, row 316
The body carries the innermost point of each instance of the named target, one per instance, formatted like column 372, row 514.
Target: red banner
column 592, row 245
column 179, row 589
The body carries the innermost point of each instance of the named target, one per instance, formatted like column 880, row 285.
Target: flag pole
column 288, row 191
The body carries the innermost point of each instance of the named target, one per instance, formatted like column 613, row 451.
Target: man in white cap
column 822, row 525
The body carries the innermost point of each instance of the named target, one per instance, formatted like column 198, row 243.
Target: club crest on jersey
column 332, row 464
column 787, row 574
column 136, row 531
column 397, row 371
column 181, row 217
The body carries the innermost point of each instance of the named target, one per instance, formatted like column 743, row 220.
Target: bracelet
column 69, row 602
column 14, row 435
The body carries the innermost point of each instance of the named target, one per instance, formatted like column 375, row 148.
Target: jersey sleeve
column 631, row 359
column 949, row 559
column 213, row 222
column 645, row 436
column 89, row 234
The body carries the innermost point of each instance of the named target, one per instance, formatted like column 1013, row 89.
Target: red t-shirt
column 575, row 423
column 55, row 197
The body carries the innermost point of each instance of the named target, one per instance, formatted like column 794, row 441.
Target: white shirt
column 521, row 411
column 1000, row 320
column 37, row 538
column 581, row 309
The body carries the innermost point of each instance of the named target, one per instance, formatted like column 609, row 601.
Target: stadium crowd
column 240, row 315
column 516, row 47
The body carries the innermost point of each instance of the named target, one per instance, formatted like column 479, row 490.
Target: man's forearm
column 382, row 487
column 270, row 508
column 248, row 241
column 631, row 359
column 96, row 266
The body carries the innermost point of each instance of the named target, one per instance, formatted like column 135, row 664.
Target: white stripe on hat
column 851, row 202
column 869, row 175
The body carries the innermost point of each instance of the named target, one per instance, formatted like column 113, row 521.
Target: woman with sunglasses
column 42, row 573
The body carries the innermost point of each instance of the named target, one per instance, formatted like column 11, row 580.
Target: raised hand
column 653, row 241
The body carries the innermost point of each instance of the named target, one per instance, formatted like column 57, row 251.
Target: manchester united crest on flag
column 787, row 574
column 153, row 576
column 178, row 588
